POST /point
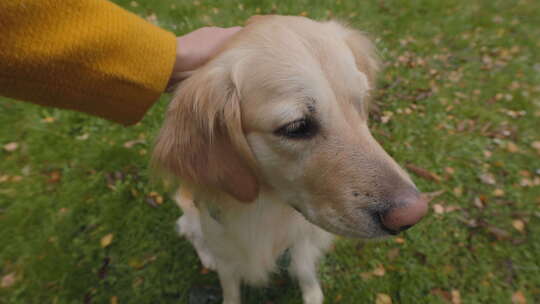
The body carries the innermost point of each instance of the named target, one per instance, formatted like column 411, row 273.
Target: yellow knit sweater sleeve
column 86, row 55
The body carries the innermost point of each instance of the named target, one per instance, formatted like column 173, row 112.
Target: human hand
column 196, row 48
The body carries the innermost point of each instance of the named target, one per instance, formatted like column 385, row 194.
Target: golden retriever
column 271, row 143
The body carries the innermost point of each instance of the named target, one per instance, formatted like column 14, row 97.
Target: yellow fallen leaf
column 379, row 271
column 519, row 225
column 498, row 192
column 10, row 147
column 48, row 119
column 512, row 147
column 399, row 240
column 136, row 263
column 114, row 300
column 106, row 240
column 456, row 296
column 383, row 298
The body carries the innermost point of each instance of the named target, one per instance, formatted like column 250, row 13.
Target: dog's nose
column 410, row 210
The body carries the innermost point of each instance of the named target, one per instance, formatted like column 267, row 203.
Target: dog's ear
column 202, row 141
column 365, row 54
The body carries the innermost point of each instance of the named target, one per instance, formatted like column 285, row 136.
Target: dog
column 271, row 144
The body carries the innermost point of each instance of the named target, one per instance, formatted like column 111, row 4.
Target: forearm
column 86, row 55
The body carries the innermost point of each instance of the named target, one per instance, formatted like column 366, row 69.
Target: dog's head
column 284, row 109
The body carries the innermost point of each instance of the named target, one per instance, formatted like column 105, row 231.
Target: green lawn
column 459, row 97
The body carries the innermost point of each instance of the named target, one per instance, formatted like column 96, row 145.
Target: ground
column 81, row 220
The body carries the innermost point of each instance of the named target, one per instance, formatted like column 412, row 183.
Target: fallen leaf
column 8, row 280
column 478, row 203
column 519, row 225
column 536, row 145
column 424, row 173
column 114, row 300
column 10, row 147
column 83, row 136
column 487, row 178
column 431, row 195
column 512, row 147
column 54, row 177
column 449, row 170
column 438, row 208
column 518, row 298
column 451, row 208
column 383, row 298
column 106, row 240
column 498, row 192
column 157, row 197
column 136, row 263
column 456, row 297
column 131, row 143
column 399, row 240
column 152, row 18
column 387, row 115
column 204, row 270
column 458, row 191
column 379, row 271
column 48, row 119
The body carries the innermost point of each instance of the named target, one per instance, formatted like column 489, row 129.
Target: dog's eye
column 299, row 129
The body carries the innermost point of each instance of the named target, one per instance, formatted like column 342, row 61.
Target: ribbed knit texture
column 87, row 55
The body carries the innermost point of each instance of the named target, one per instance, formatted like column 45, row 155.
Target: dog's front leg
column 303, row 266
column 230, row 284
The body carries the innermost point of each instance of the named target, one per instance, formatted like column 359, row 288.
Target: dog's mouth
column 375, row 229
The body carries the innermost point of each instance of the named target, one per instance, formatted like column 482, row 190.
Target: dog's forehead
column 289, row 56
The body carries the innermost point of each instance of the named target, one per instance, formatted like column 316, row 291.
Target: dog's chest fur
column 250, row 238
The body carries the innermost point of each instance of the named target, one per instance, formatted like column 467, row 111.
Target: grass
column 459, row 97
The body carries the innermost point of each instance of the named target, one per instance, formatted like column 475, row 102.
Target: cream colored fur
column 248, row 193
